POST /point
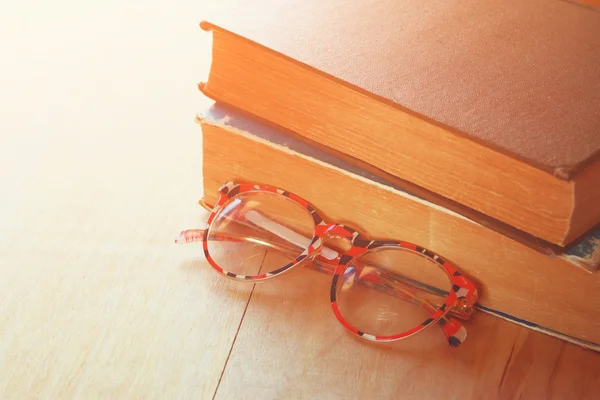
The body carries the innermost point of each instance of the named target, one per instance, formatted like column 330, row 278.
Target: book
column 516, row 282
column 493, row 105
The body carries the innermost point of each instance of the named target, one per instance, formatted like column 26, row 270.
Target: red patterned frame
column 462, row 297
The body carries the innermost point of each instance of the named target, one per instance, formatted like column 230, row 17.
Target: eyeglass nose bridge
column 336, row 230
column 337, row 237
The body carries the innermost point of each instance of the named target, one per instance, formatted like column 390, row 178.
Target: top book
column 491, row 104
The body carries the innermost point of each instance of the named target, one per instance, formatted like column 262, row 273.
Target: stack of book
column 469, row 127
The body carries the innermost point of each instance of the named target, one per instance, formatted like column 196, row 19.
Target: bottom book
column 517, row 283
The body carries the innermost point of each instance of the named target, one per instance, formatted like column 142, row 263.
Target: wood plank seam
column 237, row 332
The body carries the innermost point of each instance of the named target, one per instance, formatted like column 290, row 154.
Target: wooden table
column 101, row 167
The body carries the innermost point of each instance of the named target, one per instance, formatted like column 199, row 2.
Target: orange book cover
column 498, row 98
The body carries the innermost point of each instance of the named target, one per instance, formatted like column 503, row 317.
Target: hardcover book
column 493, row 105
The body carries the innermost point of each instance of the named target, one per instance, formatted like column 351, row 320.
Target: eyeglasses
column 382, row 290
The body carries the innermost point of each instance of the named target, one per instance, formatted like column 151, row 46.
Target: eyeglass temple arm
column 291, row 237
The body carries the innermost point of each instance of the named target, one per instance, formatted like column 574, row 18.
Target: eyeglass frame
column 459, row 302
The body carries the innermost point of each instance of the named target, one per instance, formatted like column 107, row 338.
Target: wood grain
column 97, row 301
column 99, row 172
column 290, row 346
